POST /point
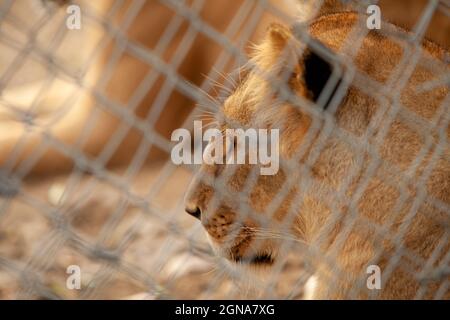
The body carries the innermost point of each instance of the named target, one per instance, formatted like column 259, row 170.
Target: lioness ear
column 312, row 72
column 279, row 35
column 316, row 74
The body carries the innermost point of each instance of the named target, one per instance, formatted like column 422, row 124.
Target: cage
column 91, row 93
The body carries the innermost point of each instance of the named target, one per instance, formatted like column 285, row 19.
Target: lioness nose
column 194, row 211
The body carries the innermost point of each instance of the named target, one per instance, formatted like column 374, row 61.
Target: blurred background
column 85, row 121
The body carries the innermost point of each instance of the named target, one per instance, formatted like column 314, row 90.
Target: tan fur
column 339, row 252
column 403, row 13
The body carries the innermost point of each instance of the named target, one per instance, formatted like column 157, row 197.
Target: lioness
column 364, row 177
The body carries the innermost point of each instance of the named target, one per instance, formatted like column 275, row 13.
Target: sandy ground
column 162, row 251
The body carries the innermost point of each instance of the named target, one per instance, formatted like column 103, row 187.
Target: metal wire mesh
column 122, row 220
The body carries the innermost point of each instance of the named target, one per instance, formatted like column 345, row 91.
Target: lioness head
column 344, row 134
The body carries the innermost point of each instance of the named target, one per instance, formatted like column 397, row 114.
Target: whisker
column 226, row 77
column 219, row 85
column 265, row 233
column 205, row 117
column 213, row 100
column 206, row 108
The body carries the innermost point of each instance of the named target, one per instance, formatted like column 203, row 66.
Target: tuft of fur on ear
column 276, row 48
column 279, row 35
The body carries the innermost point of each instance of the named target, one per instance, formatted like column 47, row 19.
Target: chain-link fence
column 91, row 92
